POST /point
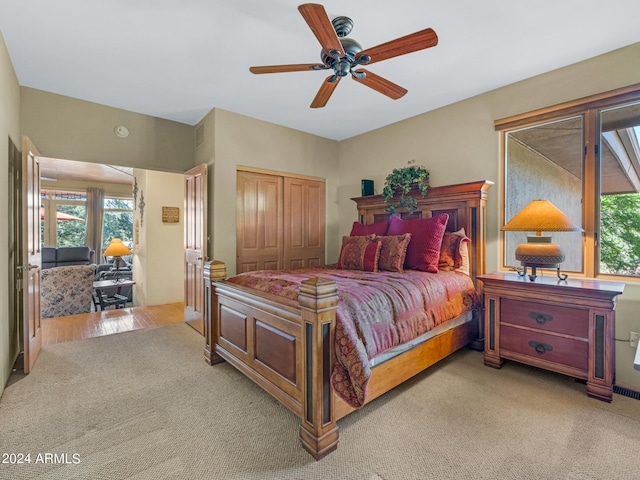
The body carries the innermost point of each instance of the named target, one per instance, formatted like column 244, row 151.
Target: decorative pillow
column 464, row 254
column 454, row 253
column 423, row 252
column 393, row 251
column 360, row 253
column 359, row 229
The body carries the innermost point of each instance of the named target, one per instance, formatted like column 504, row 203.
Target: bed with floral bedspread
column 376, row 312
column 325, row 341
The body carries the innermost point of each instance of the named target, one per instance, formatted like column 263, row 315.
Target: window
column 584, row 157
column 619, row 199
column 118, row 221
column 69, row 211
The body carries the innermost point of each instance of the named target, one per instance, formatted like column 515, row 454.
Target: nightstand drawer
column 567, row 320
column 561, row 350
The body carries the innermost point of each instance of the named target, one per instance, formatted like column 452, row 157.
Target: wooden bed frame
column 287, row 347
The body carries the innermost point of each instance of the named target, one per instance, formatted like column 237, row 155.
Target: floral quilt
column 376, row 311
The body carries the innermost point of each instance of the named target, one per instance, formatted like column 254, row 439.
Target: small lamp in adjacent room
column 116, row 249
column 540, row 216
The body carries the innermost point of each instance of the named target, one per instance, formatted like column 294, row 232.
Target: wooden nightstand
column 565, row 326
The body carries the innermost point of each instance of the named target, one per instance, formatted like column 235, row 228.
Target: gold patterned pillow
column 454, row 252
column 393, row 251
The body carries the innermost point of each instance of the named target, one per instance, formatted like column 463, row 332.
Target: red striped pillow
column 360, row 253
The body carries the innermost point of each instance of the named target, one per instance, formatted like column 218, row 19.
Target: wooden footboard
column 285, row 347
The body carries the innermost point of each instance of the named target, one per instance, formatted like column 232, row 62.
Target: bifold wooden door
column 280, row 221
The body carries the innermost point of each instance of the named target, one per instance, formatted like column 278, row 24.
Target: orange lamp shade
column 116, row 249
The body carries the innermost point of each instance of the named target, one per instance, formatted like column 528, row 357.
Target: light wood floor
column 97, row 324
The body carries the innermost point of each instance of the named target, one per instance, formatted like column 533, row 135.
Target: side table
column 102, row 300
column 567, row 326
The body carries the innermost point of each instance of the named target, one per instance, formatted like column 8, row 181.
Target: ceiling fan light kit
column 343, row 55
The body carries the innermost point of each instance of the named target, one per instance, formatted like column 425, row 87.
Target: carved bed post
column 214, row 270
column 318, row 300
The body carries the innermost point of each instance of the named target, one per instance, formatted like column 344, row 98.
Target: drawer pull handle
column 540, row 347
column 541, row 318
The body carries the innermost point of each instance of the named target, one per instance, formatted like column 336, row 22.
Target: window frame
column 106, row 210
column 50, row 206
column 589, row 107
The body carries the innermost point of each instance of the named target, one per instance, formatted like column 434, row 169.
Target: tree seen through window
column 118, row 221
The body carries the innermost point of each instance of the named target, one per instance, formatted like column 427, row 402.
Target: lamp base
column 532, row 276
column 539, row 252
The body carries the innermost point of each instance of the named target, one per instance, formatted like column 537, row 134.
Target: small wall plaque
column 170, row 214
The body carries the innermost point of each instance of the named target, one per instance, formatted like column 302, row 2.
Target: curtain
column 95, row 209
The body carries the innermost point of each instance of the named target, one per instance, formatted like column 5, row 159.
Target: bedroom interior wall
column 72, row 129
column 458, row 143
column 9, row 129
column 164, row 242
column 245, row 141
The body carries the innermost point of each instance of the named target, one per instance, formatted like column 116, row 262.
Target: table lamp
column 116, row 249
column 539, row 252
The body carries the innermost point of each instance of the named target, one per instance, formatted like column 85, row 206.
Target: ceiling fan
column 343, row 55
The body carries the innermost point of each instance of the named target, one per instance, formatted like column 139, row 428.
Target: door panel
column 304, row 222
column 258, row 222
column 31, row 261
column 195, row 245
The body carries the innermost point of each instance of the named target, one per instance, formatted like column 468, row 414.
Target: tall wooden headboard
column 465, row 204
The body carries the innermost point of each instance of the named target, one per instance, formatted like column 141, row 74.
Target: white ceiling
column 179, row 59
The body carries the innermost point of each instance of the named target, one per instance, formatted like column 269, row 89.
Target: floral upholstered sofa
column 67, row 290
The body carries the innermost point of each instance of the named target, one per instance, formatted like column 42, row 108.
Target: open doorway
column 73, row 221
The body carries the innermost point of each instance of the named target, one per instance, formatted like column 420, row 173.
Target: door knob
column 26, row 267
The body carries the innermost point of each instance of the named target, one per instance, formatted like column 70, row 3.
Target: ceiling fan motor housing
column 350, row 47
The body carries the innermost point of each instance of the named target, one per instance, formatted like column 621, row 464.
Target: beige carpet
column 144, row 405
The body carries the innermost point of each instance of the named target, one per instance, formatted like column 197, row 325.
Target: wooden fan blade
column 326, row 89
column 299, row 67
column 401, row 46
column 319, row 23
column 381, row 84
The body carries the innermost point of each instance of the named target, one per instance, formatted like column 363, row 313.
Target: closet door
column 259, row 222
column 304, row 221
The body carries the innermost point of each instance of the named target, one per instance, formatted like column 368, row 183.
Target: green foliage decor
column 620, row 241
column 400, row 182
